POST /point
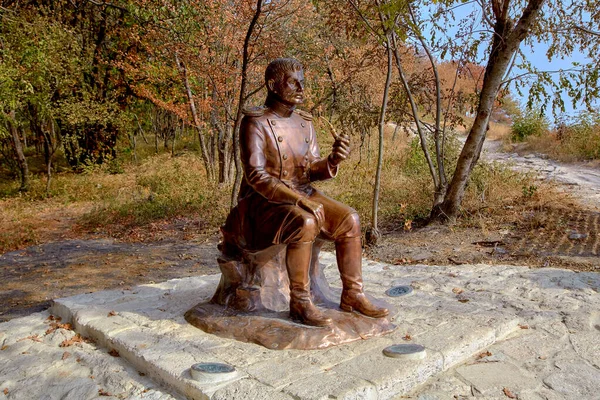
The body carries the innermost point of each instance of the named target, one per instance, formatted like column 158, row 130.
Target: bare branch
column 558, row 71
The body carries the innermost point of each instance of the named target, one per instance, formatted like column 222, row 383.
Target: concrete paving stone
column 391, row 376
column 530, row 344
column 33, row 365
column 575, row 379
column 249, row 389
column 280, row 371
column 587, row 346
column 332, row 385
column 490, row 379
column 446, row 386
column 461, row 338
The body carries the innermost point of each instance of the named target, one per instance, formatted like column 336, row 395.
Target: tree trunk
column 18, row 146
column 505, row 43
column 373, row 233
column 241, row 103
column 207, row 166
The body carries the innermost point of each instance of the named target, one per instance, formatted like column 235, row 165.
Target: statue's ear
column 271, row 85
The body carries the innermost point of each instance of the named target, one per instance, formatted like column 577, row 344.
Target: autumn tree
column 508, row 26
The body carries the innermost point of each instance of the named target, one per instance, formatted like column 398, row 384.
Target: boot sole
column 316, row 324
column 349, row 308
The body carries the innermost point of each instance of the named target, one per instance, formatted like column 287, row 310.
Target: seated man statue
column 278, row 205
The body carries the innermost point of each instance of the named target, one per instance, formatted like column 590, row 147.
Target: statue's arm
column 320, row 168
column 253, row 144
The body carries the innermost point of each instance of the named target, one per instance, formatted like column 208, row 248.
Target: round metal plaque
column 398, row 291
column 212, row 372
column 406, row 351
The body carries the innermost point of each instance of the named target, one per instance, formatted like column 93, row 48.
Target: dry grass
column 158, row 189
column 498, row 131
column 146, row 197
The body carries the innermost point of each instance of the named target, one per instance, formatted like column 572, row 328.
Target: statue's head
column 284, row 78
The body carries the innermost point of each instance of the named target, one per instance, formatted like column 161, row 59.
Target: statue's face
column 290, row 89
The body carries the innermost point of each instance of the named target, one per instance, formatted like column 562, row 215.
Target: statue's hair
column 278, row 67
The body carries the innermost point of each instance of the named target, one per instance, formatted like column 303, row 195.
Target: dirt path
column 580, row 181
column 34, row 276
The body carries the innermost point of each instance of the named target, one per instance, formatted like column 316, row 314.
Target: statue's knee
column 350, row 226
column 309, row 229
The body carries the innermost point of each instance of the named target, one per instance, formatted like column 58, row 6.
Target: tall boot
column 302, row 308
column 348, row 252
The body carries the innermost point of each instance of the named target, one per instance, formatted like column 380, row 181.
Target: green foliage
column 529, row 191
column 530, row 123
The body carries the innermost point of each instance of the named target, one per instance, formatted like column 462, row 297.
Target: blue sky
column 535, row 54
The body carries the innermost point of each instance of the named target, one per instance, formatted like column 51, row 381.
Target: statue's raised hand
column 341, row 150
column 314, row 208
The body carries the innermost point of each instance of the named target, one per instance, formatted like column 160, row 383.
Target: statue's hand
column 341, row 150
column 314, row 208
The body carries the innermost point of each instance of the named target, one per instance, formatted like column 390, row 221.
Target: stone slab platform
column 453, row 312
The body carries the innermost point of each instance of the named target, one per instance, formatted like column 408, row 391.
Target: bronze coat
column 281, row 158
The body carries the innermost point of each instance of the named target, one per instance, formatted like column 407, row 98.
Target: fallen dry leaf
column 66, row 355
column 74, row 340
column 508, row 393
column 457, row 290
column 484, row 354
column 102, row 392
column 112, row 314
column 407, row 337
column 463, row 300
column 35, row 338
column 4, row 347
column 524, row 326
column 5, row 391
column 57, row 325
column 114, row 353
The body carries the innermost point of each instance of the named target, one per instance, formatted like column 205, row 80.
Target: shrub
column 529, row 123
column 581, row 138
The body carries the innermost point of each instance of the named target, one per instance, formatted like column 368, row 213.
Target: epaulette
column 304, row 114
column 254, row 111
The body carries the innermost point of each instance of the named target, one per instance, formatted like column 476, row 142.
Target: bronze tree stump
column 251, row 304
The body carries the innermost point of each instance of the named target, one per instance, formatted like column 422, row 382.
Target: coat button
column 280, row 138
column 285, row 157
column 306, row 140
column 273, row 123
column 305, row 158
column 303, row 124
column 285, row 173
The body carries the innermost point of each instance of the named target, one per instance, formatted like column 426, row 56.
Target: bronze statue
column 272, row 238
column 281, row 158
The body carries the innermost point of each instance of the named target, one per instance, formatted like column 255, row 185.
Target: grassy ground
column 131, row 203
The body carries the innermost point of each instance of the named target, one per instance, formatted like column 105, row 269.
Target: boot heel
column 346, row 307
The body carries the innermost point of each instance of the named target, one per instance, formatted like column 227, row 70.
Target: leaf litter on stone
column 35, row 338
column 74, row 340
column 57, row 325
column 508, row 393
